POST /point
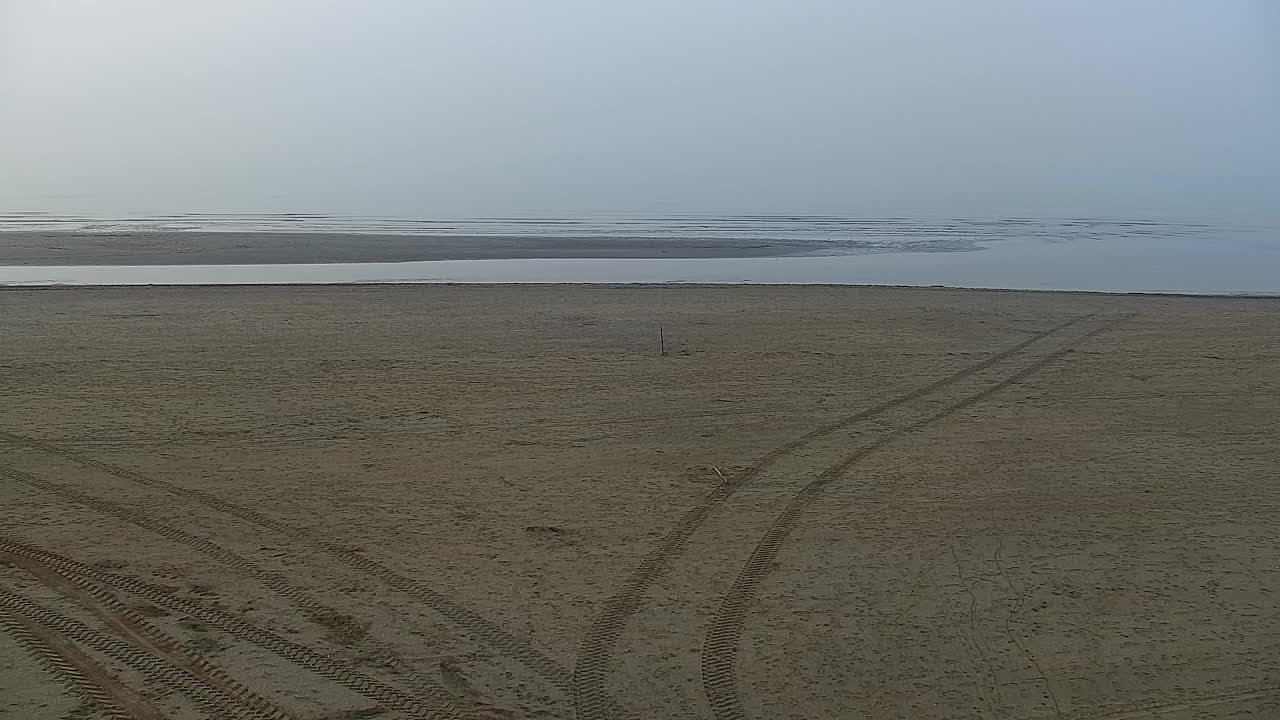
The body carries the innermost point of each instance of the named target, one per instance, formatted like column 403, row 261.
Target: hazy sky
column 459, row 107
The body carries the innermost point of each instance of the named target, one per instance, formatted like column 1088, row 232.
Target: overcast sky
column 463, row 107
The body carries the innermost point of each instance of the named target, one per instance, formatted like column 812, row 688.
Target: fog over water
column 1145, row 109
column 1064, row 143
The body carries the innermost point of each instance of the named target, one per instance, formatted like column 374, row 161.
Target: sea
column 1102, row 254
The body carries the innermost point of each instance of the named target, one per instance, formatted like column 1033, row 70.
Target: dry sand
column 501, row 502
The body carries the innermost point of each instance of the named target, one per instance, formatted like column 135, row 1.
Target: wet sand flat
column 503, row 502
column 260, row 248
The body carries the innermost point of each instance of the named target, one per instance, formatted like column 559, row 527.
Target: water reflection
column 1131, row 264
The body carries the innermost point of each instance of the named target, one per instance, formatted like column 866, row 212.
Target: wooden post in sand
column 662, row 342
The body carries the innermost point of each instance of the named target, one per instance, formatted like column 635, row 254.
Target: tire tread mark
column 62, row 670
column 720, row 644
column 179, row 653
column 372, row 688
column 210, row 699
column 273, row 581
column 595, row 652
column 473, row 623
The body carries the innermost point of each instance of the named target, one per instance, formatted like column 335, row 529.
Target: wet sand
column 502, row 502
column 257, row 248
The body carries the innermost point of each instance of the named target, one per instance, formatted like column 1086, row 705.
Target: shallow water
column 894, row 231
column 1238, row 263
column 1053, row 254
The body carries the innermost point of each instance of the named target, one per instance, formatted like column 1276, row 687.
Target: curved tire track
column 389, row 697
column 427, row 689
column 209, row 699
column 720, row 644
column 595, row 653
column 473, row 623
column 68, row 672
column 130, row 624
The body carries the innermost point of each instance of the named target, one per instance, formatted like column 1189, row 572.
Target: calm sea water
column 894, row 230
column 1102, row 254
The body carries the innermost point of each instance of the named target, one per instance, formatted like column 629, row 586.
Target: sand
column 502, row 502
column 259, row 248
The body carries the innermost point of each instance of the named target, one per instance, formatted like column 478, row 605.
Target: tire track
column 72, row 670
column 317, row 612
column 131, row 625
column 473, row 623
column 389, row 697
column 720, row 644
column 594, row 662
column 165, row 676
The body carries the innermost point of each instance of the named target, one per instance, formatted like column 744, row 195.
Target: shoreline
column 646, row 286
column 1155, row 264
column 74, row 249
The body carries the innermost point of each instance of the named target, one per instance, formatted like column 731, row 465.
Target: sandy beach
column 503, row 502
